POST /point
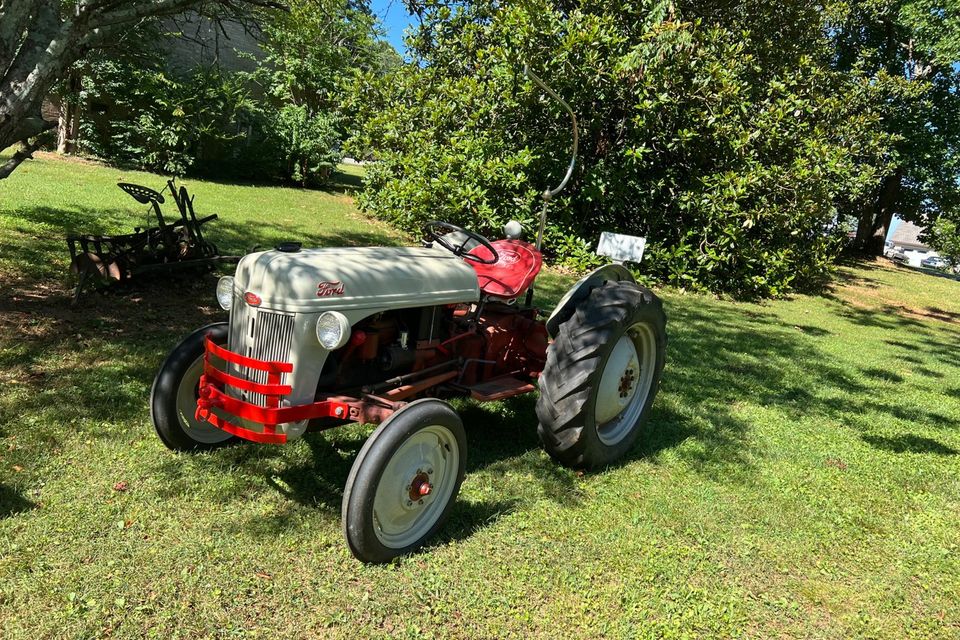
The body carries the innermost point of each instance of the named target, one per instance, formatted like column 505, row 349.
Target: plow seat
column 512, row 273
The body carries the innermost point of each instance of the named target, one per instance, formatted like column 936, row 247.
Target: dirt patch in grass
column 867, row 299
column 82, row 160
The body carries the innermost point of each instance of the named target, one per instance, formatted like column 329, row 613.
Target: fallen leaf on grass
column 120, row 486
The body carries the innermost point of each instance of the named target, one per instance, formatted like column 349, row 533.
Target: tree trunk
column 46, row 51
column 68, row 127
column 875, row 221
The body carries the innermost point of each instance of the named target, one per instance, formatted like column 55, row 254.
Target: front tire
column 173, row 399
column 404, row 481
column 602, row 375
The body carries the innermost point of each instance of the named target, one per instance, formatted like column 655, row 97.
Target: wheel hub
column 625, row 383
column 415, row 486
column 420, row 487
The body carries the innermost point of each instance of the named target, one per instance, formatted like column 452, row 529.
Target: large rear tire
column 404, row 481
column 173, row 399
column 602, row 375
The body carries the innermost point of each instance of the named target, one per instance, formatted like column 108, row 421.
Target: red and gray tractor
column 385, row 335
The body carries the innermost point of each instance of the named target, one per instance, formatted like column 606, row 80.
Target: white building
column 907, row 235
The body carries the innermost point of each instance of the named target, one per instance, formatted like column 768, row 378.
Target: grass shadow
column 884, row 375
column 13, row 502
column 909, row 443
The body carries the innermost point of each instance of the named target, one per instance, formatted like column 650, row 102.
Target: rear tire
column 420, row 447
column 602, row 375
column 173, row 399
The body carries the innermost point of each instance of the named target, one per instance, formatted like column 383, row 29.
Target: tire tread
column 573, row 367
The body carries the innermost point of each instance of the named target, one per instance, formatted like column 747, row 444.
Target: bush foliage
column 158, row 121
column 730, row 154
column 282, row 121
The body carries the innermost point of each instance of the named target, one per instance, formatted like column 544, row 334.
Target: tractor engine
column 486, row 342
column 514, row 343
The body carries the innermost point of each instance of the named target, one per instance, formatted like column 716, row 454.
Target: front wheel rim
column 625, row 383
column 202, row 432
column 415, row 487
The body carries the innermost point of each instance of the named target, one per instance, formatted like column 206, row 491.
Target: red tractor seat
column 512, row 273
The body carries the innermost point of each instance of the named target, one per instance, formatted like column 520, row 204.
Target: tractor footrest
column 500, row 388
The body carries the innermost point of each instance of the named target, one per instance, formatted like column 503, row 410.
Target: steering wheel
column 435, row 231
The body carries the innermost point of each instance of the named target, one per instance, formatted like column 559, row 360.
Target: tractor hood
column 313, row 280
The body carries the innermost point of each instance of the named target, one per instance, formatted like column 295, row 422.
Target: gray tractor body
column 294, row 288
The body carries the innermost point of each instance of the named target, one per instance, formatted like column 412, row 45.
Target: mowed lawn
column 800, row 476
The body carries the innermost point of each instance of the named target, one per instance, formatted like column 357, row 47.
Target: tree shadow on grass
column 719, row 355
column 883, row 375
column 343, row 182
column 910, row 443
column 13, row 502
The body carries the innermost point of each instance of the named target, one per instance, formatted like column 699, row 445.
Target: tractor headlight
column 225, row 292
column 333, row 330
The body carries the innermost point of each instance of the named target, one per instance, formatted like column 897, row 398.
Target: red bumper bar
column 212, row 396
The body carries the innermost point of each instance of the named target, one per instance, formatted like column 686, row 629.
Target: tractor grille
column 259, row 334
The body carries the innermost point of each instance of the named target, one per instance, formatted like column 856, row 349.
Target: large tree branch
column 14, row 18
column 32, row 35
column 24, row 153
column 134, row 11
column 102, row 25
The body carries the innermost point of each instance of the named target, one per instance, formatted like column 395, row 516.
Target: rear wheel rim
column 625, row 383
column 427, row 461
column 202, row 432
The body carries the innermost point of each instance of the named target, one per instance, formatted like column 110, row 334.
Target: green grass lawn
column 800, row 477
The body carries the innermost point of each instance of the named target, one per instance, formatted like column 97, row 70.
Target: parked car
column 888, row 249
column 935, row 262
column 898, row 255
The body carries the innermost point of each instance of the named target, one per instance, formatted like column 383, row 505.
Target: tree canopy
column 728, row 134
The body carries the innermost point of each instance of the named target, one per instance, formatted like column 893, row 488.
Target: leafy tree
column 904, row 52
column 944, row 236
column 41, row 39
column 165, row 122
column 282, row 121
column 729, row 149
column 311, row 55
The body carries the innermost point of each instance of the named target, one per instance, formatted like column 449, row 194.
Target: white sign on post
column 621, row 248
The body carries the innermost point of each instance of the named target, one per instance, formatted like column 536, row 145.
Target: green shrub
column 731, row 163
column 156, row 121
column 308, row 145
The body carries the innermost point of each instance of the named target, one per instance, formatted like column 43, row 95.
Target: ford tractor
column 386, row 335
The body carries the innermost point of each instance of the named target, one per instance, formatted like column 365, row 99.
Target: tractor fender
column 579, row 291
